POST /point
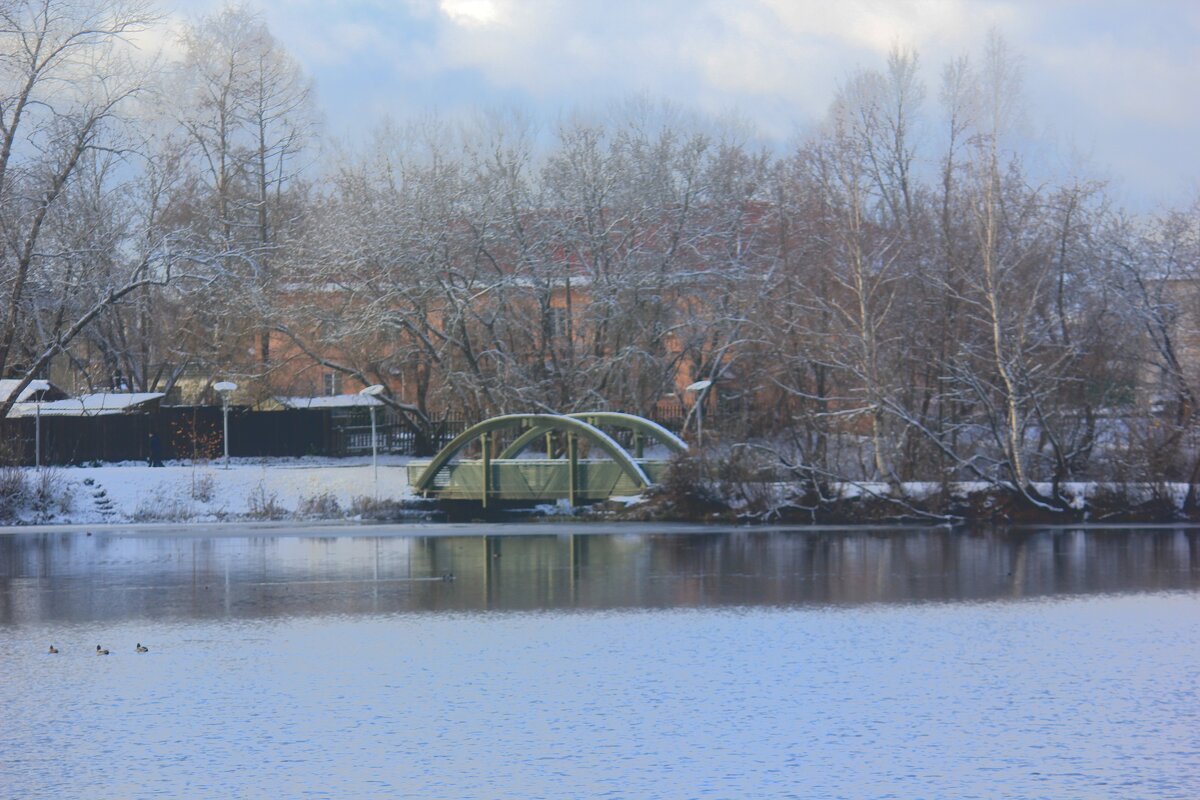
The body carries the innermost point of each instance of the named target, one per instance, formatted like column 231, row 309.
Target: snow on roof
column 9, row 384
column 329, row 401
column 98, row 404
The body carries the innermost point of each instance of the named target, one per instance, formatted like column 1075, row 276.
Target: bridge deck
column 535, row 479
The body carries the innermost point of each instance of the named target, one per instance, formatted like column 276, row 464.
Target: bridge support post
column 485, row 446
column 572, row 466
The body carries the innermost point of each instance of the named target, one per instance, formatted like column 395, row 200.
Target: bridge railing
column 535, row 479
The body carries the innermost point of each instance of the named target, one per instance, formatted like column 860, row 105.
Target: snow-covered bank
column 705, row 494
column 337, row 490
column 182, row 492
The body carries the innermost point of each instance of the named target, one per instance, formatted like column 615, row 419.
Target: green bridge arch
column 581, row 426
column 630, row 422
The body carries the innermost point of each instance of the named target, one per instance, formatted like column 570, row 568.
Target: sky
column 1110, row 84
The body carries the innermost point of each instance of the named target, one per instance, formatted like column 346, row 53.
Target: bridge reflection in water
column 72, row 577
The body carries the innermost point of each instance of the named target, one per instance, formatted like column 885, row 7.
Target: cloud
column 1113, row 69
column 747, row 52
column 159, row 41
column 471, row 13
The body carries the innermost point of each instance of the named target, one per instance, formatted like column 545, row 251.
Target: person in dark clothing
column 155, row 451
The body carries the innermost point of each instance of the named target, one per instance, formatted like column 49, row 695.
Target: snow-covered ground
column 249, row 488
column 338, row 489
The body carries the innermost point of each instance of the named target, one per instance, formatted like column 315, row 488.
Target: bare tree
column 66, row 89
column 248, row 112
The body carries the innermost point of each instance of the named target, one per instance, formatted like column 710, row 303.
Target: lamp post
column 371, row 391
column 698, row 387
column 225, row 388
column 39, row 388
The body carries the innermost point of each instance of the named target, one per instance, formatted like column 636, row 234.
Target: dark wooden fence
column 77, row 440
column 194, row 432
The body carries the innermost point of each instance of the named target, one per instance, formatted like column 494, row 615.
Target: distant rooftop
column 8, row 385
column 98, row 404
column 329, row 401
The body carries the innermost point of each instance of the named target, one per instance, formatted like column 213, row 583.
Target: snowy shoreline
column 313, row 494
column 351, row 528
column 248, row 490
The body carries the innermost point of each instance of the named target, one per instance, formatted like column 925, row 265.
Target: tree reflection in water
column 73, row 577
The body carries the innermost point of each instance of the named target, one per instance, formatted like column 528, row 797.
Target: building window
column 556, row 318
column 333, row 383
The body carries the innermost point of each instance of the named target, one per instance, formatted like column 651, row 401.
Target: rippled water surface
column 726, row 664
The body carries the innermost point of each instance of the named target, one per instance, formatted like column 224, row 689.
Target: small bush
column 49, row 493
column 161, row 507
column 363, row 505
column 1125, row 502
column 692, row 489
column 368, row 507
column 737, row 483
column 203, row 487
column 12, row 452
column 323, row 506
column 14, row 491
column 747, row 481
column 264, row 504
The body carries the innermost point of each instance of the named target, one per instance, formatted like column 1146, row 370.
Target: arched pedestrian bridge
column 581, row 463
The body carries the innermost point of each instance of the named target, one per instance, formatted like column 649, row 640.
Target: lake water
column 565, row 663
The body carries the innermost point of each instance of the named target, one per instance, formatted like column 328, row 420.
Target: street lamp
column 698, row 387
column 225, row 388
column 39, row 388
column 371, row 391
